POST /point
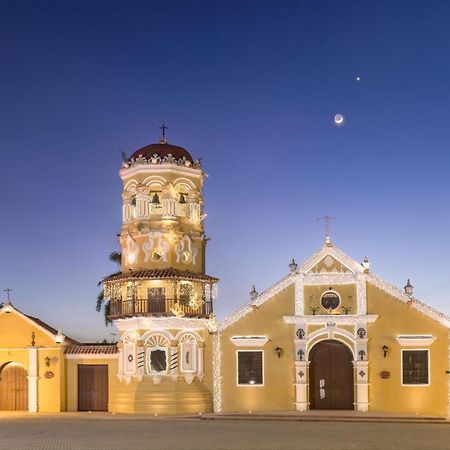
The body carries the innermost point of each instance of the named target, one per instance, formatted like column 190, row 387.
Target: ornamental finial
column 163, row 138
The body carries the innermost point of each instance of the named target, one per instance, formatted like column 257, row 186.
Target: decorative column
column 361, row 291
column 140, row 359
column 301, row 368
column 200, row 355
column 33, row 380
column 217, row 380
column 142, row 203
column 174, row 360
column 127, row 208
column 362, row 385
column 168, row 201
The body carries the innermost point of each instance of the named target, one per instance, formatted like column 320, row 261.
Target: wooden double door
column 92, row 387
column 331, row 376
column 13, row 388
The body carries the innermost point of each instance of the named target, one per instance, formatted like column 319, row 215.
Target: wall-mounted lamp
column 47, row 361
column 278, row 351
column 385, row 350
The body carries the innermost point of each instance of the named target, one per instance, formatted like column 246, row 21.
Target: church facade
column 329, row 335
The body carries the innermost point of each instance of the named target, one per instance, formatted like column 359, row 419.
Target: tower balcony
column 160, row 292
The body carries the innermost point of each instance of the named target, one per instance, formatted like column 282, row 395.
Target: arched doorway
column 13, row 387
column 330, row 376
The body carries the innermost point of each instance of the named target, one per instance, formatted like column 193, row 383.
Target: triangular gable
column 336, row 254
column 259, row 300
column 415, row 303
column 41, row 326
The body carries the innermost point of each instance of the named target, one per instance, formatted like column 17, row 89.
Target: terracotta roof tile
column 161, row 274
column 103, row 349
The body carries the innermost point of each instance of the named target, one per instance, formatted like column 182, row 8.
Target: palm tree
column 115, row 257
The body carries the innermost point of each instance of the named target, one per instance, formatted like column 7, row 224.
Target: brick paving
column 106, row 431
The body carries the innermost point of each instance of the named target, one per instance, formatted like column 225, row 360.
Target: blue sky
column 250, row 86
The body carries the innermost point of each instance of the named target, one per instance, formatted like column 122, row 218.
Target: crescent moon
column 338, row 119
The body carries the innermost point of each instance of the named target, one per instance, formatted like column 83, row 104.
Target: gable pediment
column 329, row 264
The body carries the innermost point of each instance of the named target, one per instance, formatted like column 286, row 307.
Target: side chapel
column 329, row 335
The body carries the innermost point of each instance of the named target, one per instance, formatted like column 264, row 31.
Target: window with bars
column 415, row 367
column 185, row 293
column 250, row 367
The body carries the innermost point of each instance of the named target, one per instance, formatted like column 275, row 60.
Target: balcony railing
column 156, row 307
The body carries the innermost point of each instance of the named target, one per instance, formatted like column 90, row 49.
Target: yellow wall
column 397, row 318
column 313, row 295
column 278, row 390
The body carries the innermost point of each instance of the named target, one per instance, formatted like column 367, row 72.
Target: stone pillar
column 362, row 385
column 33, row 379
column 301, row 385
column 200, row 353
column 299, row 296
column 174, row 360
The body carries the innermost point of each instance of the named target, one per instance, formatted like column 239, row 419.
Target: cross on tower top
column 163, row 128
column 8, row 290
column 327, row 220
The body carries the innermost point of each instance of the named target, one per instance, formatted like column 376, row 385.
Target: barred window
column 250, row 367
column 415, row 367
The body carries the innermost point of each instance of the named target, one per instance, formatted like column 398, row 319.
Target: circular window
column 330, row 300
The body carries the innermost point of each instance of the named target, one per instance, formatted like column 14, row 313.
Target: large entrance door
column 330, row 376
column 92, row 387
column 13, row 388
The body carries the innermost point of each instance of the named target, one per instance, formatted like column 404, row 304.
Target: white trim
column 91, row 356
column 249, row 341
column 412, row 340
column 333, row 292
column 257, row 301
column 33, row 376
column 324, row 319
column 128, row 172
column 148, row 353
column 237, row 369
column 217, row 373
column 193, row 356
column 401, row 367
column 164, row 323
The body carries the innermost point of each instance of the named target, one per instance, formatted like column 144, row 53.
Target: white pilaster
column 301, row 385
column 200, row 353
column 217, row 383
column 362, row 385
column 299, row 296
column 33, row 379
column 120, row 362
column 361, row 291
column 140, row 352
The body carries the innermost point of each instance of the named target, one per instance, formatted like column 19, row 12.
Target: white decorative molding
column 129, row 172
column 329, row 278
column 186, row 246
column 249, row 341
column 410, row 340
column 155, row 241
column 344, row 319
column 362, row 385
column 217, row 374
column 131, row 250
column 361, row 293
column 164, row 323
column 258, row 301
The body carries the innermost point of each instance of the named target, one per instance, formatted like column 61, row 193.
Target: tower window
column 158, row 361
column 250, row 368
column 185, row 293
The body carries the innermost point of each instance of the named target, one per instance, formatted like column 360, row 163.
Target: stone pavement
column 107, row 431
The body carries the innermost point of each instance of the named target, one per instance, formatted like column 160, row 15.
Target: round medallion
column 330, row 300
column 130, row 358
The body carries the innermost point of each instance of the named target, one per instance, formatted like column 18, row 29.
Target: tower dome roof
column 162, row 149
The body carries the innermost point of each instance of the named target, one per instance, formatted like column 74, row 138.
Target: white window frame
column 401, row 367
column 237, row 369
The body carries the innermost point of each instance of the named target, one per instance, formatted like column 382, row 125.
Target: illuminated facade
column 329, row 335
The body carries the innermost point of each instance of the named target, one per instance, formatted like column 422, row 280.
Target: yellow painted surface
column 397, row 318
column 313, row 294
column 277, row 393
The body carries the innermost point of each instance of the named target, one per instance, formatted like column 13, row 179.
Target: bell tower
column 162, row 300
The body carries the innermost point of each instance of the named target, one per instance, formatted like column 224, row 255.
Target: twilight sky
column 250, row 86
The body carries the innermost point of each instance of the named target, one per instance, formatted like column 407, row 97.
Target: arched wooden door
column 13, row 388
column 330, row 376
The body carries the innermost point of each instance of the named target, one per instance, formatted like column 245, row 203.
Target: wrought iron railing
column 157, row 307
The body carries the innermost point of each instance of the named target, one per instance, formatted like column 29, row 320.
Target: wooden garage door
column 13, row 388
column 92, row 387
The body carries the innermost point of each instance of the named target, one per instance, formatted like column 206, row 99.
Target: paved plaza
column 105, row 431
